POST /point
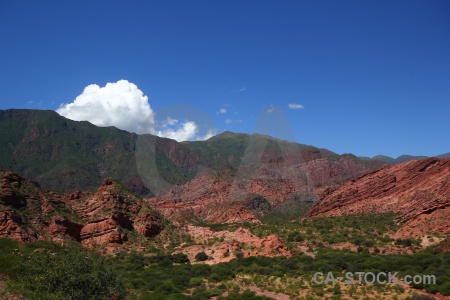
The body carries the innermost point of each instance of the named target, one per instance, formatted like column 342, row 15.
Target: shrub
column 295, row 237
column 180, row 258
column 239, row 254
column 201, row 256
column 59, row 275
column 166, row 288
column 196, row 281
column 215, row 277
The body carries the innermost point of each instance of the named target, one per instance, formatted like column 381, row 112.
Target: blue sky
column 373, row 77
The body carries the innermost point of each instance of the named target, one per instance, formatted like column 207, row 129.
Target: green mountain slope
column 66, row 155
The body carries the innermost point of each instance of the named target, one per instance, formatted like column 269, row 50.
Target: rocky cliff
column 418, row 191
column 107, row 215
column 283, row 183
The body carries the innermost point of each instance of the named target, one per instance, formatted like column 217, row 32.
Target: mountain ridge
column 66, row 155
column 402, row 158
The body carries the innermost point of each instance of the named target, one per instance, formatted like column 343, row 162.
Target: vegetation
column 201, row 256
column 369, row 231
column 48, row 145
column 44, row 270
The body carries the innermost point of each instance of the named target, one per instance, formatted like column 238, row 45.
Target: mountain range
column 232, row 197
column 65, row 155
column 231, row 177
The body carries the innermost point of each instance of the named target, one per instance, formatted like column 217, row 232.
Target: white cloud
column 119, row 104
column 123, row 105
column 242, row 89
column 170, row 121
column 187, row 131
column 229, row 121
column 271, row 109
column 295, row 106
column 222, row 111
column 209, row 134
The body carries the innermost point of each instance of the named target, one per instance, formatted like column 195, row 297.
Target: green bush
column 68, row 273
column 295, row 237
column 196, row 281
column 201, row 256
column 180, row 258
column 8, row 256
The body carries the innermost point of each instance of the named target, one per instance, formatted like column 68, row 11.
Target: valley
column 236, row 216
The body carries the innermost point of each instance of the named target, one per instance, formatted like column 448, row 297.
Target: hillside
column 196, row 259
column 111, row 215
column 155, row 259
column 418, row 191
column 65, row 155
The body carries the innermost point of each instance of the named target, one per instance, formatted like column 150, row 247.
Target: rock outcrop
column 111, row 212
column 28, row 214
column 231, row 244
column 223, row 196
column 418, row 191
column 11, row 226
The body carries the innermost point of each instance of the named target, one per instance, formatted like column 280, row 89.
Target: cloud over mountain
column 123, row 105
column 119, row 104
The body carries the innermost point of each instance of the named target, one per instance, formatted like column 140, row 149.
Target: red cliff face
column 219, row 197
column 110, row 212
column 27, row 213
column 419, row 191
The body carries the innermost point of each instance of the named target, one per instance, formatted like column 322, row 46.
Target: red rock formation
column 419, row 191
column 101, row 231
column 148, row 225
column 230, row 243
column 220, row 198
column 11, row 226
column 61, row 226
column 110, row 211
column 25, row 211
column 28, row 214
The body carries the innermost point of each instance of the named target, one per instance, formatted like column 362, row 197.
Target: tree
column 67, row 273
column 201, row 256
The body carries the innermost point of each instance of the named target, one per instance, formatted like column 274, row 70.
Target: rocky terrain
column 228, row 245
column 239, row 219
column 244, row 195
column 418, row 191
column 110, row 217
column 28, row 213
